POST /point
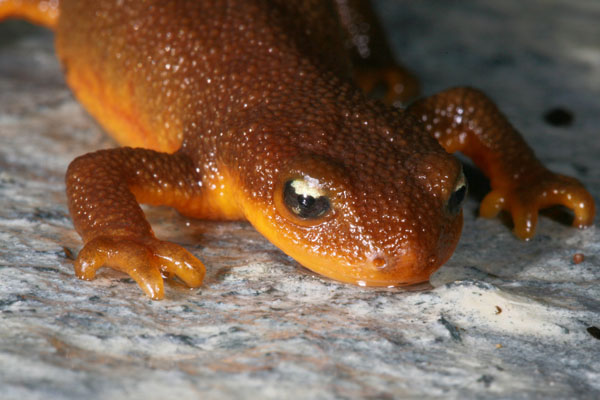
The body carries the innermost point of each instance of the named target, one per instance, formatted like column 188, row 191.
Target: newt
column 259, row 110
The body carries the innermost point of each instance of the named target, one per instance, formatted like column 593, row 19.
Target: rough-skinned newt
column 257, row 110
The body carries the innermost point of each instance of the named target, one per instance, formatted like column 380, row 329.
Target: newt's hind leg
column 375, row 68
column 103, row 191
column 465, row 120
column 41, row 12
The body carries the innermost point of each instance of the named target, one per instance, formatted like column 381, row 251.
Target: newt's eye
column 305, row 200
column 458, row 196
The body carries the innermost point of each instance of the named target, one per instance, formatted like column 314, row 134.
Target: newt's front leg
column 103, row 190
column 465, row 120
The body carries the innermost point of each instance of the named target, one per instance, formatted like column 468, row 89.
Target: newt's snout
column 415, row 261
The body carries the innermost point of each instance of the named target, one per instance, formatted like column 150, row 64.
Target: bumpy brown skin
column 242, row 96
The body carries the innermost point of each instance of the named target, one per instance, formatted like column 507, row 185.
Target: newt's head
column 373, row 207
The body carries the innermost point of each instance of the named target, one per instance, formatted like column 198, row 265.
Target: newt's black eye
column 305, row 200
column 458, row 196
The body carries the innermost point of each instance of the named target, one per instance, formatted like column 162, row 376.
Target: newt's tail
column 41, row 12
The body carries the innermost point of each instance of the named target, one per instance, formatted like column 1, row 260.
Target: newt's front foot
column 526, row 197
column 145, row 260
column 466, row 120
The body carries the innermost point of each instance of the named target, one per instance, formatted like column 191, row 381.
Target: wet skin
column 256, row 110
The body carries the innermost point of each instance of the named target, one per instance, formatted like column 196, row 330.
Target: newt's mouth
column 412, row 264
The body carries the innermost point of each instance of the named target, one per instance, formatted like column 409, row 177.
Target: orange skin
column 235, row 101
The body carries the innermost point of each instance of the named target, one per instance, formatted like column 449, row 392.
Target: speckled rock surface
column 503, row 318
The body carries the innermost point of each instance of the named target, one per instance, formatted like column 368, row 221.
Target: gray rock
column 502, row 319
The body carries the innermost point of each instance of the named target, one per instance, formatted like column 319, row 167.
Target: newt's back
column 148, row 70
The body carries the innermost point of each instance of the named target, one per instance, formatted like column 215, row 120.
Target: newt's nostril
column 379, row 262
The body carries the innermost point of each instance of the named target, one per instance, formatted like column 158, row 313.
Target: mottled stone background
column 264, row 327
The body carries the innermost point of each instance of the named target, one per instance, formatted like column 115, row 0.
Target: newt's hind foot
column 147, row 261
column 526, row 197
column 394, row 85
column 41, row 12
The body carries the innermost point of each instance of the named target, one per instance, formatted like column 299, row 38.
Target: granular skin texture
column 230, row 100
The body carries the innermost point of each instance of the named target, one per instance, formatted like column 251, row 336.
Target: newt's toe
column 143, row 260
column 525, row 201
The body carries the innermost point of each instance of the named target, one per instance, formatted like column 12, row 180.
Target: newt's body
column 247, row 109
